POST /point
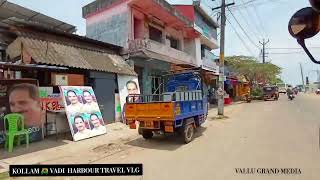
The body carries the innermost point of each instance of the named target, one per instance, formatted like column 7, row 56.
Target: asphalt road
column 273, row 135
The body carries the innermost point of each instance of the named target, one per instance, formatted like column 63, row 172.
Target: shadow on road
column 48, row 143
column 165, row 142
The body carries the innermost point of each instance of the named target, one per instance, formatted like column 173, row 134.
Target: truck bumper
column 153, row 125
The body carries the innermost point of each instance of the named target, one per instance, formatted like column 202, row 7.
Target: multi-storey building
column 207, row 40
column 155, row 35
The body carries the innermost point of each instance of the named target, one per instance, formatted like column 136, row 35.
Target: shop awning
column 152, row 55
column 58, row 54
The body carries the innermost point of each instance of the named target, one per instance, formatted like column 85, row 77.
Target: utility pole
column 221, row 60
column 302, row 75
column 264, row 50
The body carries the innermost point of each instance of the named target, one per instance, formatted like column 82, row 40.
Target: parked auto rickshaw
column 270, row 92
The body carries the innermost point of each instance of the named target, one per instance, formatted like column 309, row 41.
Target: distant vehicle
column 270, row 92
column 282, row 87
column 300, row 88
column 295, row 90
column 291, row 97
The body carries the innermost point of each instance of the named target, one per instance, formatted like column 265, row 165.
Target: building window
column 174, row 43
column 202, row 51
column 204, row 48
column 155, row 34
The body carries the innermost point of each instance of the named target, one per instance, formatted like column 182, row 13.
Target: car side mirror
column 315, row 4
column 304, row 24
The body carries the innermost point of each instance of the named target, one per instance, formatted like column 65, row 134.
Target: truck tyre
column 147, row 134
column 188, row 133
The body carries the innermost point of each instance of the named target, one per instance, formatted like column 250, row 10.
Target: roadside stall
column 53, row 59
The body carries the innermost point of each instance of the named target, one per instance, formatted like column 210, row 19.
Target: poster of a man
column 90, row 106
column 132, row 89
column 75, row 107
column 97, row 126
column 84, row 118
column 81, row 131
column 24, row 99
column 128, row 85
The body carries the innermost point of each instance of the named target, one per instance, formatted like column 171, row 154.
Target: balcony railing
column 206, row 38
column 209, row 62
column 173, row 54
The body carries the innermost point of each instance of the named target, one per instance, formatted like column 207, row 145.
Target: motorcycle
column 248, row 98
column 290, row 97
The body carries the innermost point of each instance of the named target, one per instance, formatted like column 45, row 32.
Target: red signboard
column 52, row 104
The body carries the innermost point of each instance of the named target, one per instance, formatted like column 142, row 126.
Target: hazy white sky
column 261, row 19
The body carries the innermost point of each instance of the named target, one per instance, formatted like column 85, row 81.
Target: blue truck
column 180, row 109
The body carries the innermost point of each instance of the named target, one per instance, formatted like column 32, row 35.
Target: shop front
column 42, row 62
column 150, row 74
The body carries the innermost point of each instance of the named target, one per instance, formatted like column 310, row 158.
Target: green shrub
column 257, row 92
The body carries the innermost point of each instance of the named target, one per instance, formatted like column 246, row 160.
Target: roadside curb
column 118, row 134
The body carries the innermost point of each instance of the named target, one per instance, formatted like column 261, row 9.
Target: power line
column 243, row 29
column 259, row 29
column 260, row 20
column 251, row 2
column 249, row 25
column 249, row 15
column 243, row 42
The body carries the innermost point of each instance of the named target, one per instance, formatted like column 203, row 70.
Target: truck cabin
column 185, row 86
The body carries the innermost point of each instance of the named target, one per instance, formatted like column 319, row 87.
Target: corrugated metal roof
column 8, row 10
column 52, row 53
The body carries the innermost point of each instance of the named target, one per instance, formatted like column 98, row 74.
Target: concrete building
column 156, row 36
column 50, row 43
column 207, row 41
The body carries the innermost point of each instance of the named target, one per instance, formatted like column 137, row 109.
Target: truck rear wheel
column 147, row 134
column 188, row 133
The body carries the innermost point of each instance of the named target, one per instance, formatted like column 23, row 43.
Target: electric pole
column 264, row 50
column 221, row 60
column 302, row 75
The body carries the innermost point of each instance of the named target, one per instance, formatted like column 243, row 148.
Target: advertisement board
column 127, row 85
column 82, row 109
column 22, row 96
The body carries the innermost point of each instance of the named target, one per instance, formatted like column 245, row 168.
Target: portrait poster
column 22, row 96
column 82, row 109
column 127, row 85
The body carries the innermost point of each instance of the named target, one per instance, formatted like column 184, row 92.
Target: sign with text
column 76, row 170
column 52, row 104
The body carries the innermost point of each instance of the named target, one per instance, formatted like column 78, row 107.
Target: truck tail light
column 168, row 123
column 168, row 128
column 131, row 123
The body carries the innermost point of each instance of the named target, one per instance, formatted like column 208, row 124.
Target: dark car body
column 270, row 92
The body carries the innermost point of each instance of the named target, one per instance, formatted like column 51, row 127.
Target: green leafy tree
column 254, row 70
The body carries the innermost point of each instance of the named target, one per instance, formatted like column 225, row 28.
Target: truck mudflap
column 132, row 124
